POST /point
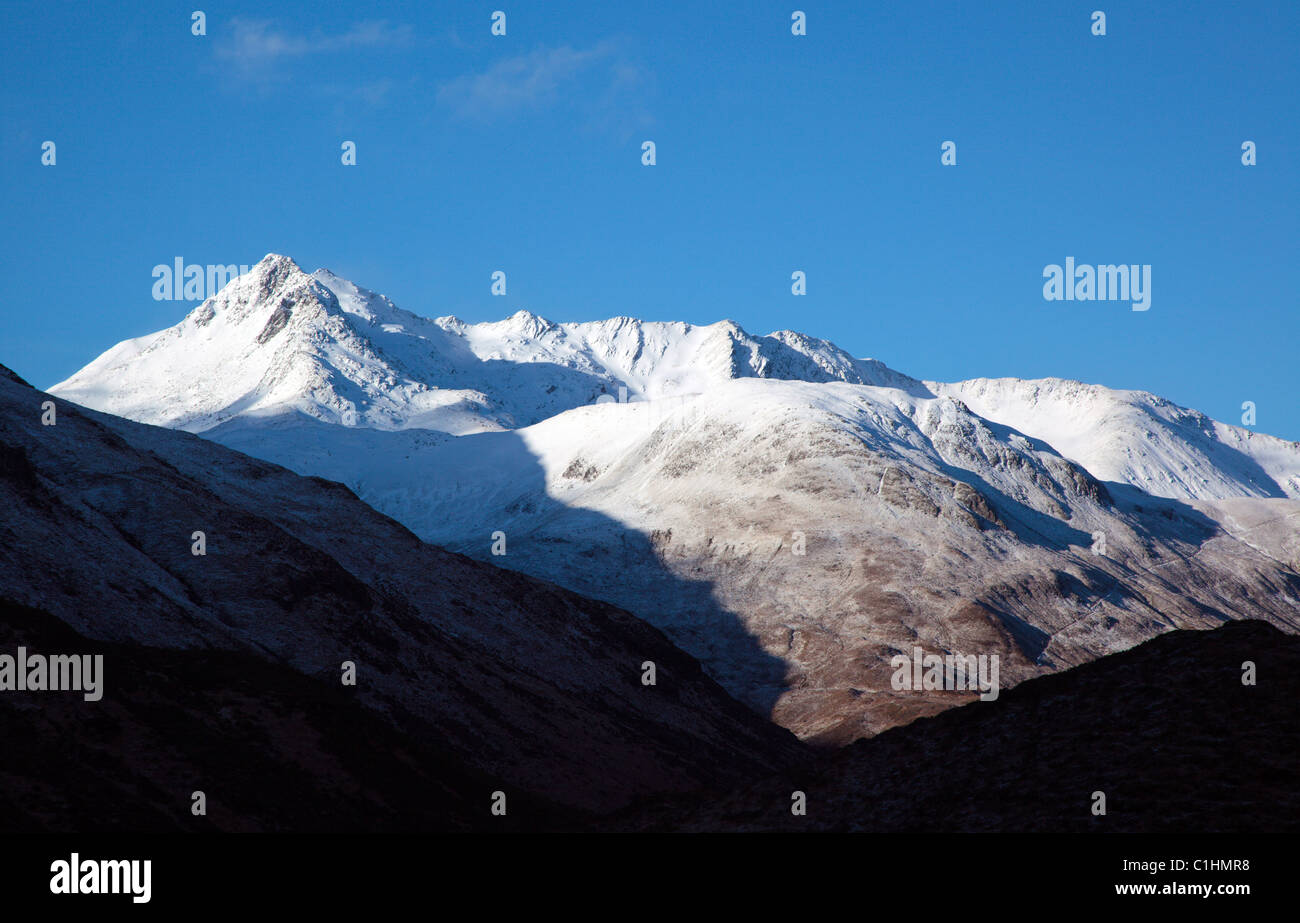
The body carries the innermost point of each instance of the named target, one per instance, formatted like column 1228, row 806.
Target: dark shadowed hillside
column 1167, row 730
column 270, row 749
column 519, row 685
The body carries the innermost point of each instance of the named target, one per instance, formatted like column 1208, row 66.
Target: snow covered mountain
column 790, row 515
column 278, row 340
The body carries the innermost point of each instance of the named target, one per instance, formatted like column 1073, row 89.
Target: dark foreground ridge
column 270, row 748
column 1166, row 730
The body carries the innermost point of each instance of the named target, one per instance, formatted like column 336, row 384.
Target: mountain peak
column 268, row 291
column 523, row 323
column 525, row 316
column 278, row 259
column 274, row 269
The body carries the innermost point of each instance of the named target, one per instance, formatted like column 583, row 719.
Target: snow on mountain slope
column 592, row 450
column 1137, row 438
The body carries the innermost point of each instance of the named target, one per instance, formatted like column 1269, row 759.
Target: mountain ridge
column 323, row 346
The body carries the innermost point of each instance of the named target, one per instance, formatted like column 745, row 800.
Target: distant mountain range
column 791, row 516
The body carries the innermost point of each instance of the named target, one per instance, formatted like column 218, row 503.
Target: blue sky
column 775, row 153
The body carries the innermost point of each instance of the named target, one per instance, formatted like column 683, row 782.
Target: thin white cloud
column 530, row 80
column 255, row 45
